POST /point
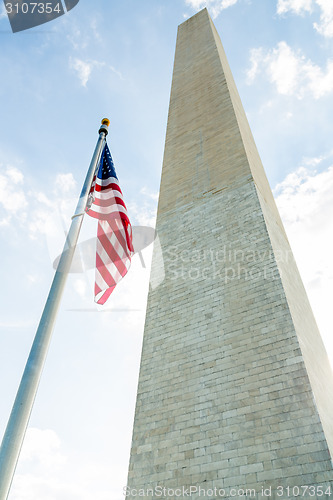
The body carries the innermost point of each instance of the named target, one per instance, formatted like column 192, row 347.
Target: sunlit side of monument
column 235, row 387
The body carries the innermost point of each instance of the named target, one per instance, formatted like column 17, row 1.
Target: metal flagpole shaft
column 19, row 417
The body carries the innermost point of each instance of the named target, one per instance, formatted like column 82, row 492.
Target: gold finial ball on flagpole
column 104, row 126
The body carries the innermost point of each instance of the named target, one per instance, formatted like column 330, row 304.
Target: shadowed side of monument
column 235, row 388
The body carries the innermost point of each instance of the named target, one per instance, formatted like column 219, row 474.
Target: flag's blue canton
column 106, row 168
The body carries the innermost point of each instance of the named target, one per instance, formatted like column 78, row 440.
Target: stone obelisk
column 235, row 388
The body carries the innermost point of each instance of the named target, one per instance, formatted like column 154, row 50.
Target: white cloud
column 257, row 58
column 42, row 198
column 320, row 82
column 116, row 72
column 77, row 39
column 45, row 471
column 145, row 191
column 81, row 39
column 325, row 27
column 284, row 69
column 96, row 30
column 65, row 182
column 42, row 446
column 84, row 69
column 215, row 6
column 305, row 202
column 314, row 161
column 3, row 12
column 15, row 175
column 300, row 7
column 307, row 192
column 291, row 72
column 297, row 6
column 50, row 214
column 80, row 287
column 143, row 214
column 5, row 221
column 12, row 196
column 34, row 211
column 40, row 223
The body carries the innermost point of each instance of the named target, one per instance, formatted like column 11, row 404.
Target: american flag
column 114, row 248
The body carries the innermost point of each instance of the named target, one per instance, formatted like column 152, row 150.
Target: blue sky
column 115, row 59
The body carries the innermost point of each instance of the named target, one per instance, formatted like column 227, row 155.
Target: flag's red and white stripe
column 108, row 199
column 113, row 256
column 114, row 247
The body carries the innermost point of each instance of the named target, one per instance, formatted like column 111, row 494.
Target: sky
column 115, row 59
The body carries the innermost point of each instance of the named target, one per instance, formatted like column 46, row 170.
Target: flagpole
column 19, row 417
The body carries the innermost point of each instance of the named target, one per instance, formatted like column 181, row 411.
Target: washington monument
column 235, row 394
